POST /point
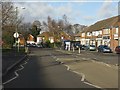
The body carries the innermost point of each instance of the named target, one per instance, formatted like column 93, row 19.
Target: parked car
column 31, row 45
column 104, row 48
column 117, row 49
column 83, row 47
column 91, row 47
column 39, row 45
column 77, row 45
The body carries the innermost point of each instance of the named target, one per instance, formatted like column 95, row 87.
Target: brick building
column 105, row 32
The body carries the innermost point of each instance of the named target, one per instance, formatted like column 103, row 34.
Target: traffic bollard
column 73, row 49
column 79, row 50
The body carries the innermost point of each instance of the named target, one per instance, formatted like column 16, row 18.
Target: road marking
column 68, row 68
column 108, row 65
column 57, row 59
column 93, row 85
column 83, row 76
column 10, row 80
column 85, row 58
column 1, row 87
column 53, row 56
column 17, row 75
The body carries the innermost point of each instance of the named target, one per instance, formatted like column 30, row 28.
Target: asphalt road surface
column 108, row 58
column 101, row 71
column 42, row 70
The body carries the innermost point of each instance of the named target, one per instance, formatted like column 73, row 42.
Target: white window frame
column 83, row 34
column 116, row 31
column 89, row 34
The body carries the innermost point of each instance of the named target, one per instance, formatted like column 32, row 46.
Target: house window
column 88, row 34
column 106, row 31
column 106, row 37
column 93, row 33
column 100, row 32
column 83, row 34
column 116, row 31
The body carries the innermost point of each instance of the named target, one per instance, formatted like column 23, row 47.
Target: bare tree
column 44, row 24
column 67, row 25
column 49, row 23
column 57, row 27
column 9, row 15
column 9, row 22
column 37, row 23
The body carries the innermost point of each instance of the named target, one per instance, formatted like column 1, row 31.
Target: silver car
column 91, row 48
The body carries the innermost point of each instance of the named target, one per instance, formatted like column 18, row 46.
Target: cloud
column 106, row 10
column 41, row 10
column 73, row 10
column 34, row 10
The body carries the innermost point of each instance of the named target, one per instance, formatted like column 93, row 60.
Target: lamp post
column 16, row 32
column 53, row 37
column 25, row 43
column 119, row 36
column 16, row 35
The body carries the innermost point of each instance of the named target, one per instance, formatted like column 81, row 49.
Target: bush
column 58, row 44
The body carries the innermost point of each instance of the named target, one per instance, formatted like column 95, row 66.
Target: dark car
column 83, row 47
column 39, row 45
column 31, row 45
column 117, row 49
column 104, row 48
column 77, row 45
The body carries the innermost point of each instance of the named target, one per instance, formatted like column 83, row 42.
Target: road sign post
column 16, row 35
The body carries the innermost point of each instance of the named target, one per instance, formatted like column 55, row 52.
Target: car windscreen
column 118, row 46
column 92, row 45
column 106, row 47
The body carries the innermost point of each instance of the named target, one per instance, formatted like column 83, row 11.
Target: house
column 105, row 32
column 21, row 39
column 30, row 39
column 43, row 37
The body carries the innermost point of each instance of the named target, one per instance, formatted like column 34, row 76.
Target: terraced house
column 104, row 32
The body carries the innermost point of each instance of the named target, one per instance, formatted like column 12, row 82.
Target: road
column 97, row 71
column 108, row 58
column 42, row 70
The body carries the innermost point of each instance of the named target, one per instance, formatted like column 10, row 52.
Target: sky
column 84, row 12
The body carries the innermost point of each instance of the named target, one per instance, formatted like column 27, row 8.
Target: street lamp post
column 17, row 35
column 25, row 44
column 119, row 36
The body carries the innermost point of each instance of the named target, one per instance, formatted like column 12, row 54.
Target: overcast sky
column 81, row 12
